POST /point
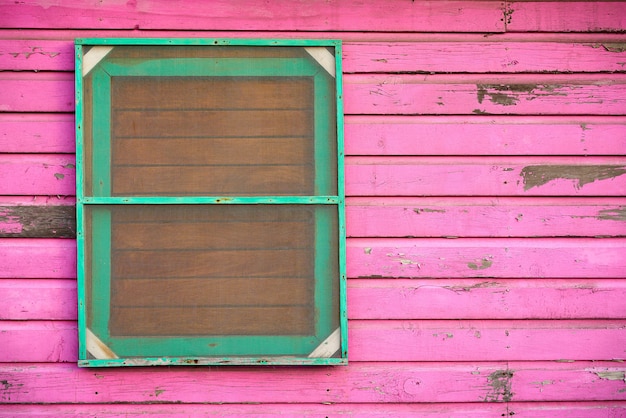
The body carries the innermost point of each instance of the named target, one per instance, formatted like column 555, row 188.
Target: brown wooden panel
column 252, row 263
column 211, row 292
column 206, row 151
column 206, row 235
column 209, row 123
column 211, row 321
column 230, row 51
column 37, row 221
column 186, row 93
column 212, row 180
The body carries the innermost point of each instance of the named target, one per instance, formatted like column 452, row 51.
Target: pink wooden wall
column 486, row 215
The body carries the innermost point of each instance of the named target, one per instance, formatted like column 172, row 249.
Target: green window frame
column 318, row 63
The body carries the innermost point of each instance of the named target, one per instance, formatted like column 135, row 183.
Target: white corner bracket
column 97, row 348
column 323, row 58
column 93, row 57
column 329, row 346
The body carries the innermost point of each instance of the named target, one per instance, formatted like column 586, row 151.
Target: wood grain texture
column 482, row 57
column 371, row 340
column 397, row 16
column 38, row 258
column 504, row 95
column 475, row 176
column 570, row 16
column 485, row 217
column 382, row 382
column 30, row 299
column 36, row 92
column 488, row 258
column 485, row 135
column 487, row 298
column 38, row 221
column 42, row 174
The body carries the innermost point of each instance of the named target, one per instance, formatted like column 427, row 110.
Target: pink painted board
column 485, row 176
column 486, row 298
column 485, row 257
column 37, row 258
column 41, row 174
column 483, row 57
column 36, row 55
column 36, row 92
column 524, row 94
column 486, row 340
column 37, row 133
column 571, row 409
column 388, row 340
column 485, row 217
column 382, row 382
column 28, row 299
column 38, row 341
column 485, row 135
column 570, row 16
column 315, row 15
column 478, row 410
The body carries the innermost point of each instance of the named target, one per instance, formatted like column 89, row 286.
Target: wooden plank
column 485, row 257
column 28, row 299
column 486, row 340
column 370, row 340
column 528, row 94
column 577, row 409
column 318, row 15
column 37, row 133
column 43, row 174
column 36, row 92
column 485, row 217
column 484, row 135
column 394, row 382
column 482, row 57
column 269, row 410
column 476, row 176
column 571, row 16
column 38, row 221
column 36, row 55
column 531, row 298
column 38, row 258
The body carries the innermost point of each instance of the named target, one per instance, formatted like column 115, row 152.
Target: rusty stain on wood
column 500, row 382
column 538, row 175
column 37, row 221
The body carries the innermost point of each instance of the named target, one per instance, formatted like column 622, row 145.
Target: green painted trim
column 207, row 67
column 80, row 233
column 101, row 271
column 214, row 361
column 207, row 41
column 101, row 133
column 193, row 200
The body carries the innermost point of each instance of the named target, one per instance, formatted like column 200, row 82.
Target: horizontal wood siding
column 486, row 211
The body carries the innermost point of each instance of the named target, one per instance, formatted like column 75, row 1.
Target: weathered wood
column 503, row 95
column 38, row 258
column 42, row 174
column 383, row 382
column 485, row 135
column 44, row 133
column 28, row 299
column 485, row 217
column 36, row 55
column 55, row 299
column 531, row 298
column 38, row 221
column 485, row 257
column 318, row 15
column 566, row 16
column 371, row 340
column 483, row 57
column 476, row 176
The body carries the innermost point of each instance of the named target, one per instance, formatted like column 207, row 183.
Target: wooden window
column 210, row 202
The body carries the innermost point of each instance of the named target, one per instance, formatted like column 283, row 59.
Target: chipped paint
column 618, row 214
column 480, row 285
column 538, row 175
column 616, row 375
column 500, row 382
column 510, row 94
column 485, row 263
column 425, row 210
column 614, row 47
column 367, row 250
